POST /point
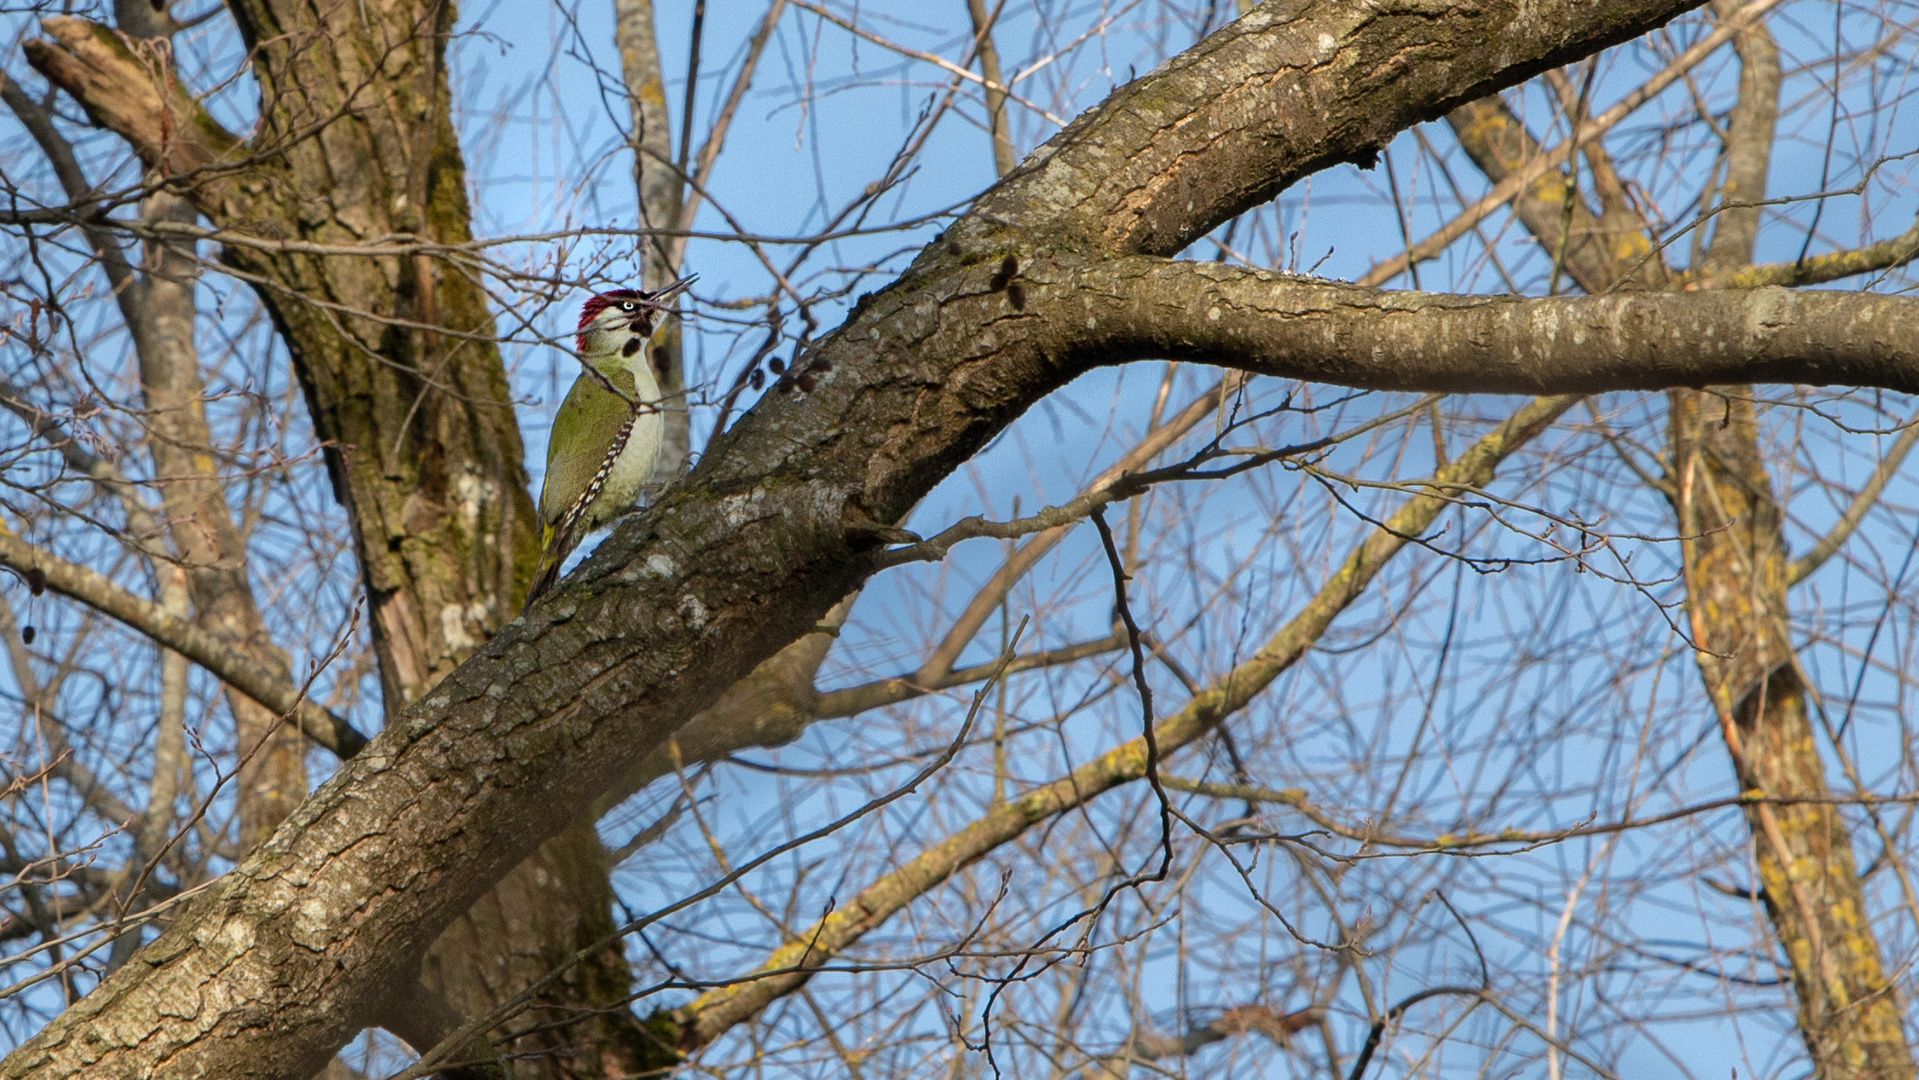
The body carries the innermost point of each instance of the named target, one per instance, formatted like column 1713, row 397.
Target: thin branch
column 716, row 135
column 226, row 664
column 853, row 700
column 716, row 1011
column 939, row 663
column 143, row 530
column 53, row 731
column 1862, row 503
column 932, row 58
column 66, row 168
column 996, row 119
column 1379, row 1026
column 1145, row 689
column 1238, row 1020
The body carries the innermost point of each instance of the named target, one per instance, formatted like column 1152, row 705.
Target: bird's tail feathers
column 557, row 541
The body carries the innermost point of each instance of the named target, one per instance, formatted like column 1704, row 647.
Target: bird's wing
column 600, row 423
column 594, row 418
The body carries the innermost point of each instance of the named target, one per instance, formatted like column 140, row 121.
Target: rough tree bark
column 789, row 510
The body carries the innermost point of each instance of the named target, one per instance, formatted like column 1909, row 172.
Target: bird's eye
column 629, row 305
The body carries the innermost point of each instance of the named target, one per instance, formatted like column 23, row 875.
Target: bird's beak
column 659, row 299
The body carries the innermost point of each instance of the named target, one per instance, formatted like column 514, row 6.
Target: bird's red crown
column 600, row 302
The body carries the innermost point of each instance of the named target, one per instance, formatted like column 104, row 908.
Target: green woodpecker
column 605, row 441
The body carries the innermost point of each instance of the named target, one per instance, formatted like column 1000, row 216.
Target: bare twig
column 149, row 618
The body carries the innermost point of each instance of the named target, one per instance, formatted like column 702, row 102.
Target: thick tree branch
column 1305, row 328
column 127, row 86
column 422, row 1017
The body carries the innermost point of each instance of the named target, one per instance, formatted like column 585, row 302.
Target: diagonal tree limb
column 1862, row 503
column 1594, row 247
column 125, row 85
column 420, row 1016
